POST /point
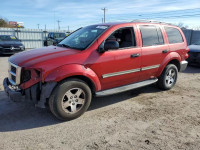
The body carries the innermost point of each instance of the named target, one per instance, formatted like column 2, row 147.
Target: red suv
column 97, row 60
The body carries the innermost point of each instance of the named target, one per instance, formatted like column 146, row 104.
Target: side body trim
column 129, row 71
column 120, row 73
column 150, row 67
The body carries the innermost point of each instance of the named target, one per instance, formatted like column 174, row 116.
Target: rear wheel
column 168, row 77
column 70, row 99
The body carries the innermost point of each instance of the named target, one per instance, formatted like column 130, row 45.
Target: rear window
column 151, row 35
column 174, row 36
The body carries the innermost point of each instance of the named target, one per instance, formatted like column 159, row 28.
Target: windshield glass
column 59, row 35
column 8, row 38
column 82, row 38
column 197, row 43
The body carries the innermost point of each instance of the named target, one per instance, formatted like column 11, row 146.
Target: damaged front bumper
column 13, row 94
column 38, row 94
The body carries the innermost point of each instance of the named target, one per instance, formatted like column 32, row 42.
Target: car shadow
column 16, row 116
column 192, row 69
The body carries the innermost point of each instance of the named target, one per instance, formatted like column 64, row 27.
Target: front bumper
column 183, row 65
column 14, row 95
column 33, row 94
column 10, row 52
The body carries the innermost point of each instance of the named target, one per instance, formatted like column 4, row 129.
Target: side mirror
column 111, row 45
column 107, row 46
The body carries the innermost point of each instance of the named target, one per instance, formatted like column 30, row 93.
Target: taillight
column 186, row 56
column 187, row 49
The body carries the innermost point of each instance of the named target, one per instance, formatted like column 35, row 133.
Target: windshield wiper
column 63, row 45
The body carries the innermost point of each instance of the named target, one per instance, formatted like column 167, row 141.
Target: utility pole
column 104, row 10
column 102, row 20
column 54, row 19
column 68, row 28
column 58, row 24
column 38, row 26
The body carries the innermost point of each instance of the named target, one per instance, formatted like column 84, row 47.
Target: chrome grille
column 14, row 74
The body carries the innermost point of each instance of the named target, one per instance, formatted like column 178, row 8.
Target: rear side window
column 174, row 35
column 151, row 35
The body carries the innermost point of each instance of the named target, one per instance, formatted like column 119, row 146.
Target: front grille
column 13, row 78
column 14, row 74
column 13, row 69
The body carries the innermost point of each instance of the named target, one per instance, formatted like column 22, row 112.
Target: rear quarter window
column 174, row 35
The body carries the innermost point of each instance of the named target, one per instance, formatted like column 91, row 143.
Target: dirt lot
column 145, row 118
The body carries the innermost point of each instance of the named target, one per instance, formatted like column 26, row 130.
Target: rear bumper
column 183, row 65
column 12, row 94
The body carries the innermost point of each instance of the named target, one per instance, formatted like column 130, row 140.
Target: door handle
column 165, row 51
column 135, row 55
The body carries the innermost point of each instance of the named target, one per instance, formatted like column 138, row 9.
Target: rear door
column 154, row 50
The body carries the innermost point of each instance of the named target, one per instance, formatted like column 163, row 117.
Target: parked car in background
column 194, row 54
column 54, row 38
column 97, row 60
column 10, row 44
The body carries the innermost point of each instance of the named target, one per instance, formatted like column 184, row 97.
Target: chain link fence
column 31, row 38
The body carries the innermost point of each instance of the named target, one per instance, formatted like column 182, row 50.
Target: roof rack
column 150, row 21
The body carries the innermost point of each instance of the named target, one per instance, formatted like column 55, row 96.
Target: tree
column 3, row 23
column 182, row 25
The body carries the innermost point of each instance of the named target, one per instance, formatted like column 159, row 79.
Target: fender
column 71, row 70
column 171, row 56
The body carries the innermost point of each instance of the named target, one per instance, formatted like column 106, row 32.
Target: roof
column 136, row 21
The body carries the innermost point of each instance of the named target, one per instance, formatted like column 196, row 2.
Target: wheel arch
column 75, row 71
column 83, row 78
column 172, row 58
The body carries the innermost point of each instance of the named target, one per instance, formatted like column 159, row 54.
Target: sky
column 76, row 13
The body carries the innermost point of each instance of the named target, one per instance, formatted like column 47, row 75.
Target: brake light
column 186, row 56
column 187, row 49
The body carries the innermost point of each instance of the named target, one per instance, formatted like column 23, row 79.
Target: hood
column 38, row 56
column 194, row 48
column 10, row 43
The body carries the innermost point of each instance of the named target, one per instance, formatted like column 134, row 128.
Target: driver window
column 125, row 37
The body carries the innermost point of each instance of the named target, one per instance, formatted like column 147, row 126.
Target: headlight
column 26, row 75
column 22, row 47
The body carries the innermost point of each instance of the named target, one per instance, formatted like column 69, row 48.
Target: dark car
column 9, row 44
column 54, row 38
column 194, row 54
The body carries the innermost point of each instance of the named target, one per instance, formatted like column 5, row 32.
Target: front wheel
column 70, row 99
column 168, row 77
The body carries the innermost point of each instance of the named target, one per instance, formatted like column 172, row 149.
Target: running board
column 125, row 88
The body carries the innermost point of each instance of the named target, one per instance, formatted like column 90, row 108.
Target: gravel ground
column 145, row 118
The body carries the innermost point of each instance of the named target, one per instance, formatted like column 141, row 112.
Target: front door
column 119, row 66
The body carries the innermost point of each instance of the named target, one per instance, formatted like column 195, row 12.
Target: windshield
column 82, row 38
column 197, row 43
column 59, row 35
column 8, row 38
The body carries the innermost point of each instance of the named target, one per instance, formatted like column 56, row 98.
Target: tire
column 168, row 77
column 70, row 99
